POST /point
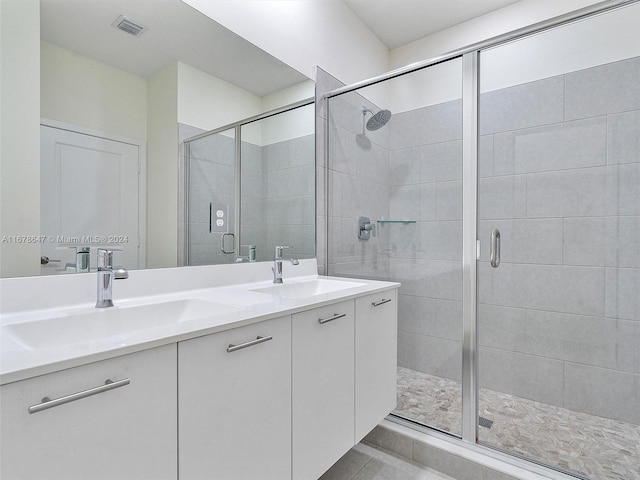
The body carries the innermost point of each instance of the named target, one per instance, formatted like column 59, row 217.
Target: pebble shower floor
column 596, row 447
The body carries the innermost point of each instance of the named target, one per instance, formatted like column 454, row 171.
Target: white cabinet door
column 323, row 388
column 235, row 406
column 128, row 432
column 376, row 360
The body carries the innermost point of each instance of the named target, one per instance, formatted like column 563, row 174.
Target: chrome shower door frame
column 470, row 115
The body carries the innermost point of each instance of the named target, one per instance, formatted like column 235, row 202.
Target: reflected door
column 89, row 198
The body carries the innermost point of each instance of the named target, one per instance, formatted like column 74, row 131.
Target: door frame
column 142, row 174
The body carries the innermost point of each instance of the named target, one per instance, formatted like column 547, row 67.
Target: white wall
column 286, row 96
column 327, row 34
column 286, row 126
column 207, row 102
column 19, row 134
column 518, row 15
column 294, row 124
column 602, row 39
column 81, row 91
column 583, row 44
column 304, row 34
column 162, row 168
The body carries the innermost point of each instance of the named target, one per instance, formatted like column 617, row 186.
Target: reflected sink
column 307, row 289
column 103, row 323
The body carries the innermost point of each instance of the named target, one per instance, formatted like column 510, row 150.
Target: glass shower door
column 559, row 224
column 395, row 213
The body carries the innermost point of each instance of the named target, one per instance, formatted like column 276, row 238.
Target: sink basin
column 98, row 324
column 307, row 289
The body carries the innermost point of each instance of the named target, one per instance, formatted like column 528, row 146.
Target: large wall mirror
column 123, row 84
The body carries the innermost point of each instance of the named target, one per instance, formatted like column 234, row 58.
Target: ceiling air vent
column 129, row 26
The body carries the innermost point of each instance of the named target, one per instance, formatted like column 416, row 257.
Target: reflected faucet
column 277, row 264
column 106, row 275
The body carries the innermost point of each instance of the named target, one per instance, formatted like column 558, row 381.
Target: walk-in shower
column 534, row 355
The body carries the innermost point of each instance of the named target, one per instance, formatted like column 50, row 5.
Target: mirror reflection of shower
column 377, row 121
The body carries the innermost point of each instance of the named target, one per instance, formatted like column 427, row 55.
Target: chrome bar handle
column 335, row 316
column 234, row 348
column 48, row 403
column 233, row 250
column 381, row 302
column 495, row 248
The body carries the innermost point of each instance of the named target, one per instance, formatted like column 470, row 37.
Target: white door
column 89, row 197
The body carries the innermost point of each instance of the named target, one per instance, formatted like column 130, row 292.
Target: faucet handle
column 279, row 249
column 105, row 258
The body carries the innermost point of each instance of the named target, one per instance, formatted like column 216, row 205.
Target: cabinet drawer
column 94, row 430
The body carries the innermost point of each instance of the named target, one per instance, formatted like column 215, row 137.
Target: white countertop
column 232, row 306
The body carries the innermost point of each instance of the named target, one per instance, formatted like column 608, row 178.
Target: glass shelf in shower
column 396, row 221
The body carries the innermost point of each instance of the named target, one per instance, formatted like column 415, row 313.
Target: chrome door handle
column 48, row 403
column 495, row 248
column 234, row 348
column 381, row 302
column 335, row 316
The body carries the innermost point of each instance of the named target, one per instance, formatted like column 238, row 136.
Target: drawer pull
column 233, row 348
column 48, row 403
column 331, row 319
column 381, row 302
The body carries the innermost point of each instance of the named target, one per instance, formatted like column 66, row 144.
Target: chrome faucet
column 106, row 276
column 277, row 264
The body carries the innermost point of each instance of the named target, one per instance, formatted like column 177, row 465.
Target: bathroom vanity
column 249, row 379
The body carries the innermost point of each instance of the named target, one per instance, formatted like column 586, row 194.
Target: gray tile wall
column 288, row 205
column 560, row 178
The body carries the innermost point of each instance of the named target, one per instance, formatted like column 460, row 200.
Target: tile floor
column 596, row 447
column 364, row 462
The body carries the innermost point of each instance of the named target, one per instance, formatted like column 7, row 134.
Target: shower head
column 378, row 120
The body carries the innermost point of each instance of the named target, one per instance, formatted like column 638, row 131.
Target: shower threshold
column 597, row 447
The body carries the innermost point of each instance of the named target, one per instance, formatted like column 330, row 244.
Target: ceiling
column 84, row 27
